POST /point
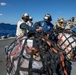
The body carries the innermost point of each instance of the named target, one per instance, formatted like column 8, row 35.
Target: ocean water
column 7, row 29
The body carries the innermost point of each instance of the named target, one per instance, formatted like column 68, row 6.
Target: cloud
column 0, row 14
column 3, row 3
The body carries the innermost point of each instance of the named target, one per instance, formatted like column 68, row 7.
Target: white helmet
column 30, row 18
column 25, row 17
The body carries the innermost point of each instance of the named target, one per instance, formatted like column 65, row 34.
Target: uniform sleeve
column 24, row 26
column 36, row 25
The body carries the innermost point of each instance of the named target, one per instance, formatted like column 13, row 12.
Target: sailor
column 21, row 25
column 60, row 23
column 30, row 23
column 45, row 25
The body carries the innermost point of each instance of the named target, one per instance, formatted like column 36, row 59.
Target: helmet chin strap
column 25, row 20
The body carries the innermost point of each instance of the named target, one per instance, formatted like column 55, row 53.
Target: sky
column 11, row 10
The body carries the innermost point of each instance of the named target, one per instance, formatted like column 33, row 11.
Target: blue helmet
column 47, row 17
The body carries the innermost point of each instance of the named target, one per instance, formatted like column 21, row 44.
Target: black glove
column 31, row 33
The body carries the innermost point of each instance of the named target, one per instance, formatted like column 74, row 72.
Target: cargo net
column 67, row 42
column 35, row 55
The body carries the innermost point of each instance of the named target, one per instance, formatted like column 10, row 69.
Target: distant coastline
column 6, row 24
column 7, row 29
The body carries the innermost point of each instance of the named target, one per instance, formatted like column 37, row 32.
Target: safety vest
column 29, row 23
column 20, row 32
